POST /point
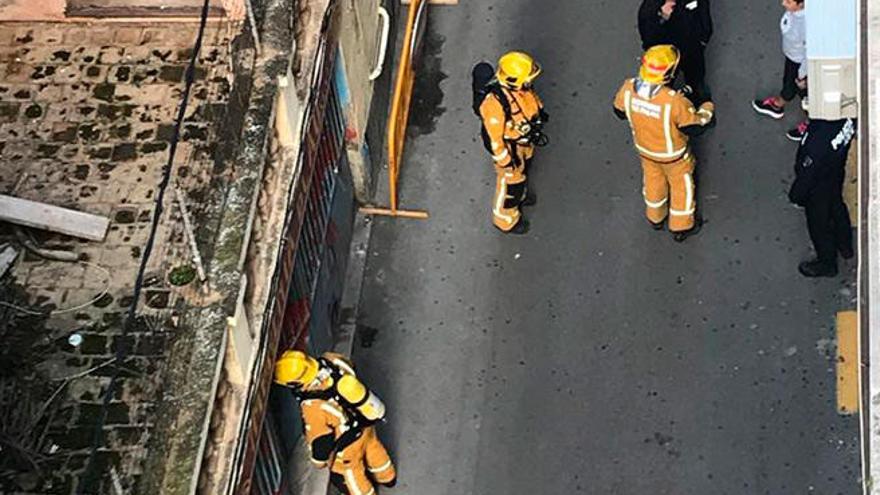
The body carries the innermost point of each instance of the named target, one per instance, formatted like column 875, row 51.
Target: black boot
column 656, row 226
column 846, row 252
column 683, row 235
column 521, row 227
column 816, row 268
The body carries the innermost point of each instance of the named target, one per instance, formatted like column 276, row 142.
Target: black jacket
column 690, row 25
column 820, row 167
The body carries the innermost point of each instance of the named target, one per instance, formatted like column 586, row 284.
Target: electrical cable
column 98, row 436
column 71, row 309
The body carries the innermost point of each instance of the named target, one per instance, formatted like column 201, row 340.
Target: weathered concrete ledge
column 197, row 356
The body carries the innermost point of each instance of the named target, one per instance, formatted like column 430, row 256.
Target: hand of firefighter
column 707, row 114
column 543, row 115
column 712, row 123
column 322, row 448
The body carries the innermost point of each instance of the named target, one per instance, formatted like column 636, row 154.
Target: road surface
column 595, row 355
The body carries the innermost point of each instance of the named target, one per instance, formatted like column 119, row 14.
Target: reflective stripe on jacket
column 657, row 117
column 524, row 107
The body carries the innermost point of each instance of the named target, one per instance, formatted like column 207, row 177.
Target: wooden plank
column 139, row 8
column 847, row 362
column 434, row 2
column 418, row 215
column 53, row 218
column 139, row 12
column 7, row 258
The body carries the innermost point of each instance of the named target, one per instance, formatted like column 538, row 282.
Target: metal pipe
column 49, row 254
column 252, row 20
column 383, row 46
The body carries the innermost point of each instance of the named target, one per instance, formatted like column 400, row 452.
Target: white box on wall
column 832, row 51
column 833, row 88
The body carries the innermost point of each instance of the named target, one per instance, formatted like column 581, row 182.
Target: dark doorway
column 139, row 8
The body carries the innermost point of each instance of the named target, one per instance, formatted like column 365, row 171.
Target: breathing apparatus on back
column 516, row 71
column 329, row 377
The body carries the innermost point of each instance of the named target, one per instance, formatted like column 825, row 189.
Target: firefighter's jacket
column 662, row 119
column 525, row 108
column 343, row 441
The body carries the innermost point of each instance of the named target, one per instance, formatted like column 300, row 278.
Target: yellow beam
column 847, row 362
column 418, row 215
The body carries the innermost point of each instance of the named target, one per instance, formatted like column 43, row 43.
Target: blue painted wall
column 832, row 28
column 341, row 81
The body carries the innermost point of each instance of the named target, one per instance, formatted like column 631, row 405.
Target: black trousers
column 790, row 88
column 693, row 65
column 828, row 224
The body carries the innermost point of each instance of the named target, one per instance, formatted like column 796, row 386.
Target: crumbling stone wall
column 59, row 10
column 86, row 115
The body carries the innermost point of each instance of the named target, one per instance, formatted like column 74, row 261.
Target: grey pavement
column 595, row 355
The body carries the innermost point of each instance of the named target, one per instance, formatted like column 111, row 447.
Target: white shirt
column 794, row 38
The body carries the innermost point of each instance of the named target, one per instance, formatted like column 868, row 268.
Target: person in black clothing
column 820, row 170
column 687, row 24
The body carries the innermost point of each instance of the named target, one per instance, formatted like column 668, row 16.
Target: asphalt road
column 595, row 355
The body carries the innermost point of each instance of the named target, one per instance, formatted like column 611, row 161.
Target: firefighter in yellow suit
column 662, row 121
column 511, row 114
column 337, row 437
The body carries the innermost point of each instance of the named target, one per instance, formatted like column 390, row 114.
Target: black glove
column 514, row 158
column 545, row 117
column 322, row 447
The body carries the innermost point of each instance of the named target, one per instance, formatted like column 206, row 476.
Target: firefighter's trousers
column 358, row 465
column 669, row 189
column 511, row 189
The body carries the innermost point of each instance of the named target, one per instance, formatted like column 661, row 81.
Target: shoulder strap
column 302, row 395
column 495, row 89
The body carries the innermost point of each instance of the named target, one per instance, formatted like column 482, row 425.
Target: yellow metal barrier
column 400, row 104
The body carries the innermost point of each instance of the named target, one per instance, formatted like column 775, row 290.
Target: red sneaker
column 768, row 107
column 798, row 132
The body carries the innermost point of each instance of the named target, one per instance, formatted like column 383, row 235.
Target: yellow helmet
column 659, row 64
column 295, row 368
column 516, row 70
